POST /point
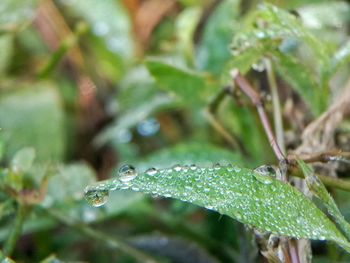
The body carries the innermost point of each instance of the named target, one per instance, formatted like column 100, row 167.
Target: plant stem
column 255, row 98
column 277, row 116
column 108, row 240
column 15, row 230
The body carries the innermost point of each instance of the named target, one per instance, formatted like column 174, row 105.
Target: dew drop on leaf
column 263, row 178
column 177, row 167
column 151, row 171
column 127, row 173
column 96, row 197
column 193, row 167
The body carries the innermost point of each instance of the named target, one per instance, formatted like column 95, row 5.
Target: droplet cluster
column 254, row 198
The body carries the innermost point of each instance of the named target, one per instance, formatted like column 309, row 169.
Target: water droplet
column 193, row 167
column 259, row 66
column 267, row 170
column 96, row 197
column 263, row 178
column 127, row 173
column 237, row 169
column 238, row 215
column 151, row 171
column 229, row 168
column 134, row 188
column 217, row 166
column 209, row 207
column 177, row 167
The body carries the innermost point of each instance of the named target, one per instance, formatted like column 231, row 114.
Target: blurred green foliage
column 86, row 86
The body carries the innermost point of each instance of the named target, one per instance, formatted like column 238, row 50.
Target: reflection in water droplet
column 96, row 197
column 259, row 66
column 267, row 170
column 177, row 167
column 263, row 178
column 217, row 166
column 151, row 171
column 193, row 167
column 127, row 173
column 229, row 168
column 209, row 207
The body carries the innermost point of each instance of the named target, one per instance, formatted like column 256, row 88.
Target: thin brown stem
column 255, row 98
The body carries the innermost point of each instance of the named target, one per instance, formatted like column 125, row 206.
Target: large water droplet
column 263, row 178
column 267, row 170
column 127, row 173
column 259, row 66
column 96, row 197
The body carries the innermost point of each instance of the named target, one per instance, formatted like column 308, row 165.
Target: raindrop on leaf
column 96, row 197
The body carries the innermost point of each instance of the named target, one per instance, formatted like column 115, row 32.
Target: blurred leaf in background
column 89, row 86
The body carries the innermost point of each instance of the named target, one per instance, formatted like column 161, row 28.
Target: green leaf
column 318, row 189
column 68, row 182
column 185, row 85
column 189, row 153
column 186, row 24
column 252, row 198
column 213, row 48
column 23, row 160
column 266, row 33
column 32, row 117
column 302, row 80
column 130, row 118
column 138, row 99
column 14, row 14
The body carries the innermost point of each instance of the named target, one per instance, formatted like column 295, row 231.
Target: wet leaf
column 274, row 33
column 254, row 199
column 213, row 47
column 190, row 153
column 318, row 189
column 193, row 88
column 301, row 79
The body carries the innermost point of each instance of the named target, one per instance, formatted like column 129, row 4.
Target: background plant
column 89, row 86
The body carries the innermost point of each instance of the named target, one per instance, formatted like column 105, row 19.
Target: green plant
column 236, row 113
